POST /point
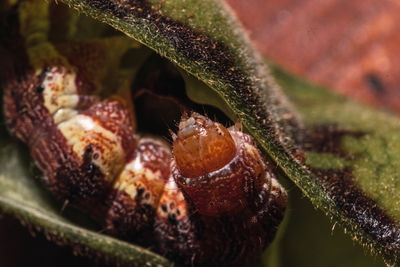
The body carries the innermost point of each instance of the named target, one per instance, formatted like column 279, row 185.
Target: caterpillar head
column 220, row 170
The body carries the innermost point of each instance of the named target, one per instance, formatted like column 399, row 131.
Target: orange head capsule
column 219, row 169
column 202, row 146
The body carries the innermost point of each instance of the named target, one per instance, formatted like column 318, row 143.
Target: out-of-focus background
column 348, row 46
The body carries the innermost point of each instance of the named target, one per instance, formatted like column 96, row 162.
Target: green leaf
column 351, row 166
column 309, row 239
column 352, row 154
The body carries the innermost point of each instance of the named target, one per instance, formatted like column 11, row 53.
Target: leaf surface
column 351, row 153
column 350, row 167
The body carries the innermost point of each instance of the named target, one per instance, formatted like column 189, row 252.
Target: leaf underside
column 342, row 155
column 351, row 150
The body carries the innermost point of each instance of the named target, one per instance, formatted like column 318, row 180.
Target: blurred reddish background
column 349, row 46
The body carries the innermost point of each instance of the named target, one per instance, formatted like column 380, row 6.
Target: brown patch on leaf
column 362, row 210
column 328, row 139
column 194, row 45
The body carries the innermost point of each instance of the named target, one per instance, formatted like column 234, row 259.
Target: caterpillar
column 214, row 200
column 211, row 199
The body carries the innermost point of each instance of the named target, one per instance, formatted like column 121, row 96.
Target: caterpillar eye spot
column 172, row 217
column 40, row 89
column 164, row 207
column 140, row 191
column 89, row 149
column 96, row 156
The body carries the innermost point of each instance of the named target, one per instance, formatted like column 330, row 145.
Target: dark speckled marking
column 113, row 115
column 360, row 208
column 193, row 45
column 327, row 139
column 224, row 240
column 132, row 218
column 129, row 219
column 339, row 185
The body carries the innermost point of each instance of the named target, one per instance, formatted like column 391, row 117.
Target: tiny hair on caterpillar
column 210, row 199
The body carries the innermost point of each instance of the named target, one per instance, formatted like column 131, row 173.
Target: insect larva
column 221, row 170
column 213, row 201
column 231, row 199
column 137, row 190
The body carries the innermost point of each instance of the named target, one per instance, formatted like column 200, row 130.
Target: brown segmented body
column 228, row 193
column 223, row 213
column 137, row 190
